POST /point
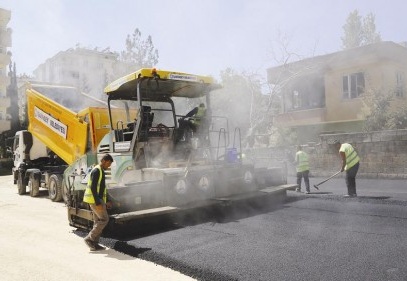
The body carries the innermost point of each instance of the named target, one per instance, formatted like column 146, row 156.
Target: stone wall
column 383, row 154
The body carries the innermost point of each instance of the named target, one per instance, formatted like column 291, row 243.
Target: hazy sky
column 197, row 36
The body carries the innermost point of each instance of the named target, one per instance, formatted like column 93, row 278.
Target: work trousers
column 351, row 179
column 100, row 220
column 304, row 175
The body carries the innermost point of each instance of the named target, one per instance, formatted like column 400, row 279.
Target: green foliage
column 398, row 119
column 285, row 137
column 140, row 52
column 384, row 112
column 359, row 31
column 369, row 34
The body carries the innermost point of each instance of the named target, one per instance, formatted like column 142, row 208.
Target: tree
column 383, row 112
column 376, row 110
column 242, row 102
column 359, row 31
column 369, row 34
column 138, row 51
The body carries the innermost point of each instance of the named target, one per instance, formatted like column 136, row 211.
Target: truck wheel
column 65, row 194
column 55, row 188
column 33, row 186
column 21, row 184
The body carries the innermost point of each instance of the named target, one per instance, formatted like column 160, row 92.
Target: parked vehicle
column 55, row 138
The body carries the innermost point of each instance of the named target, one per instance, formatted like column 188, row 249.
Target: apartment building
column 5, row 58
column 89, row 70
column 328, row 93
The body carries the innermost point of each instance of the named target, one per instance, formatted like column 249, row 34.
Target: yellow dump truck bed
column 67, row 133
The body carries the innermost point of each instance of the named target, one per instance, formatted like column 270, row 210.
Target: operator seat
column 146, row 122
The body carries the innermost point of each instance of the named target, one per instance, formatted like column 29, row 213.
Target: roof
column 378, row 51
column 160, row 84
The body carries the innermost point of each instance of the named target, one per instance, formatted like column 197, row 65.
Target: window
column 399, row 84
column 353, row 85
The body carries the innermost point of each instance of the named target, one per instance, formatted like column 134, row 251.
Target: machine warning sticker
column 183, row 77
column 50, row 122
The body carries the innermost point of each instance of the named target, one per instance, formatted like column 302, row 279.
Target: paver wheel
column 55, row 188
column 33, row 185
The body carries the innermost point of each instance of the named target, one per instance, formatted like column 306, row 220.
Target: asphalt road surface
column 321, row 236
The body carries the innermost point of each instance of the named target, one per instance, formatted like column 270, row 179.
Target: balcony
column 4, row 59
column 5, row 37
column 5, row 16
column 301, row 117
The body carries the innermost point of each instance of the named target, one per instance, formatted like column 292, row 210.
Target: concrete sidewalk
column 37, row 243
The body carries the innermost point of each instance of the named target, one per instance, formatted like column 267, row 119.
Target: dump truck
column 55, row 138
column 161, row 167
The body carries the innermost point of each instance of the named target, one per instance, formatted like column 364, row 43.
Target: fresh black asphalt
column 321, row 236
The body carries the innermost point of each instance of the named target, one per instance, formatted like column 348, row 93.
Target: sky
column 195, row 36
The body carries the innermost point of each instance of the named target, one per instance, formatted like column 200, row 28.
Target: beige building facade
column 89, row 70
column 5, row 59
column 328, row 94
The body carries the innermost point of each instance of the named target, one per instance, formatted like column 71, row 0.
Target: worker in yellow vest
column 302, row 167
column 198, row 114
column 350, row 164
column 96, row 196
column 195, row 118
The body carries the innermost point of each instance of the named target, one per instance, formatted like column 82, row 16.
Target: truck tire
column 55, row 188
column 33, row 186
column 22, row 189
column 65, row 194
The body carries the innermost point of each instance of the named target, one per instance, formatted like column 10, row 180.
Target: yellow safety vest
column 199, row 115
column 352, row 157
column 302, row 161
column 88, row 196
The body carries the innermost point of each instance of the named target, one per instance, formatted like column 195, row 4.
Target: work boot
column 90, row 244
column 99, row 247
